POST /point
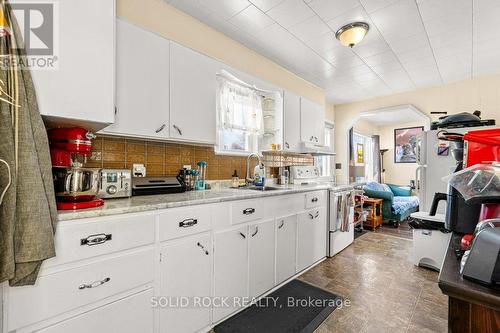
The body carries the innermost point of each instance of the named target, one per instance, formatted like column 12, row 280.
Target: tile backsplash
column 160, row 158
column 163, row 158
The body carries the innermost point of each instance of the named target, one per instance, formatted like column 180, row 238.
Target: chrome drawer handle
column 94, row 284
column 282, row 224
column 96, row 239
column 203, row 248
column 249, row 211
column 160, row 128
column 188, row 223
column 243, row 235
column 314, row 199
column 256, row 231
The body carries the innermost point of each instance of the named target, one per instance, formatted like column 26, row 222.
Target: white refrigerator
column 434, row 163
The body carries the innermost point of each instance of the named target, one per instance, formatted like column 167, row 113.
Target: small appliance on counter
column 482, row 262
column 115, row 183
column 76, row 187
column 460, row 120
column 304, row 175
column 156, row 185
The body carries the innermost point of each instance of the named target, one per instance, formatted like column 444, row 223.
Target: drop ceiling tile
column 226, row 8
column 322, row 44
column 409, row 43
column 290, row 12
column 408, row 56
column 374, row 5
column 252, row 20
column 371, row 46
column 343, row 57
column 424, row 75
column 398, row 20
column 266, row 5
column 387, row 67
column 381, row 58
column 311, row 28
column 329, row 9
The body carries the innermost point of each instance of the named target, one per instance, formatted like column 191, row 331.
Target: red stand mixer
column 76, row 187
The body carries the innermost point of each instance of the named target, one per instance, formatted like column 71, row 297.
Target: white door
column 185, row 271
column 192, row 95
column 142, row 83
column 311, row 237
column 261, row 246
column 230, row 269
column 286, row 247
column 82, row 86
column 312, row 120
column 291, row 114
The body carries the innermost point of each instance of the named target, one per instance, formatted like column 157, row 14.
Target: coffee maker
column 76, row 187
column 461, row 216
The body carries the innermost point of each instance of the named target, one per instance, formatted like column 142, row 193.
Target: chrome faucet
column 261, row 165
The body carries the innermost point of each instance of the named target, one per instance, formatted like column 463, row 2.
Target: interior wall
column 396, row 173
column 477, row 94
column 365, row 128
column 160, row 17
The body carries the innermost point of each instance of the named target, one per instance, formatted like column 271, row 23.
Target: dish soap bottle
column 235, row 183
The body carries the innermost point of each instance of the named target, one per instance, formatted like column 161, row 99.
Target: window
column 363, row 154
column 326, row 163
column 247, row 117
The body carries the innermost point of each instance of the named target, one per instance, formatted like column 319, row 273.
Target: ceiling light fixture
column 352, row 33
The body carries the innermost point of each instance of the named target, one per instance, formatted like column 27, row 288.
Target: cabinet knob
column 178, row 129
column 161, row 128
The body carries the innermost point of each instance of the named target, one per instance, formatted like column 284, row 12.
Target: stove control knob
column 111, row 189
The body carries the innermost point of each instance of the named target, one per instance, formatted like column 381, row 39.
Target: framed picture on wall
column 360, row 153
column 405, row 144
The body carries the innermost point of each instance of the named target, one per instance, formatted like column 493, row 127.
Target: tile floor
column 387, row 292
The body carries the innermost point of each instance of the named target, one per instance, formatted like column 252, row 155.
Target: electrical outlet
column 96, row 156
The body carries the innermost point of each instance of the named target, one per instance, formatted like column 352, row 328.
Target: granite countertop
column 453, row 285
column 162, row 201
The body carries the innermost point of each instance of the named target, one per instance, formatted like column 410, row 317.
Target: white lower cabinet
column 311, row 237
column 230, row 269
column 286, row 247
column 261, row 244
column 129, row 315
column 185, row 276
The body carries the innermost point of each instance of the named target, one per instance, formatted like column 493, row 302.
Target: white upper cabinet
column 291, row 121
column 142, row 85
column 192, row 95
column 312, row 120
column 81, row 89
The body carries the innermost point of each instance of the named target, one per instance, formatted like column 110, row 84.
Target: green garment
column 28, row 213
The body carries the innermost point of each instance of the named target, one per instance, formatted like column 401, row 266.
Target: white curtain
column 240, row 107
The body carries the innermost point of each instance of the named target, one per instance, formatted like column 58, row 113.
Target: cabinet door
column 185, row 271
column 291, row 116
column 230, row 268
column 286, row 247
column 83, row 85
column 261, row 246
column 311, row 237
column 312, row 120
column 192, row 95
column 142, row 83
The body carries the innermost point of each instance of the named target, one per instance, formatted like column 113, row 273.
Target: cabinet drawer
column 180, row 222
column 246, row 211
column 57, row 293
column 76, row 240
column 129, row 315
column 315, row 199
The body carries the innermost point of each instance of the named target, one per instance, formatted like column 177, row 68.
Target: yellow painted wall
column 159, row 17
column 478, row 94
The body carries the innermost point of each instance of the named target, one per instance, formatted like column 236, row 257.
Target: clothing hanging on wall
column 377, row 174
column 28, row 213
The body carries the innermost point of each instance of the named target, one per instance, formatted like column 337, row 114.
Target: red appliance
column 482, row 146
column 76, row 187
